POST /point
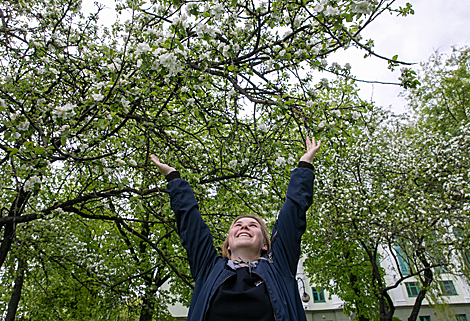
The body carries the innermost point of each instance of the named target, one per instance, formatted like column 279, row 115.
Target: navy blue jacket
column 209, row 269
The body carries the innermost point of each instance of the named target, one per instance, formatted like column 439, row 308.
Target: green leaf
column 39, row 150
column 230, row 68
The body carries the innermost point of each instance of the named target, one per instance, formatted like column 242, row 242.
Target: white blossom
column 231, row 93
column 64, row 112
column 14, row 116
column 142, row 48
column 120, row 162
column 280, row 161
column 170, row 62
column 60, row 211
column 29, row 184
column 324, row 82
column 97, row 97
column 24, row 126
column 233, row 163
column 362, row 7
column 132, row 162
column 356, row 115
column 263, row 127
column 347, row 66
column 291, row 160
column 218, row 10
column 319, row 8
column 125, row 103
column 330, row 11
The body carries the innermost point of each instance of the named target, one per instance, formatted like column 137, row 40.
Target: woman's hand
column 312, row 149
column 164, row 168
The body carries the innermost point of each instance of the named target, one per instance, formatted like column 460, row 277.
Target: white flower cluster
column 217, row 11
column 364, row 7
column 64, row 112
column 60, row 211
column 280, row 161
column 181, row 19
column 202, row 29
column 327, row 10
column 142, row 48
column 225, row 49
column 263, row 127
column 356, row 115
column 24, row 126
column 125, row 104
column 29, row 184
column 115, row 65
column 170, row 62
column 233, row 163
column 97, row 97
column 330, row 11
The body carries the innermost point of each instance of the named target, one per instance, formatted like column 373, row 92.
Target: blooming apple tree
column 222, row 91
column 394, row 194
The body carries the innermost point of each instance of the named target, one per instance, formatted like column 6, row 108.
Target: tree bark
column 9, row 230
column 428, row 278
column 16, row 294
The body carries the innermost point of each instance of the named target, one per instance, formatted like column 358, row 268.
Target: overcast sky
column 436, row 25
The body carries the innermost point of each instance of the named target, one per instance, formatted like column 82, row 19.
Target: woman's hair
column 264, row 230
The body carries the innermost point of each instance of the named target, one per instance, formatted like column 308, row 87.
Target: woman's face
column 246, row 233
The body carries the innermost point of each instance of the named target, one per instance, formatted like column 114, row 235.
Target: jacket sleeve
column 195, row 235
column 291, row 222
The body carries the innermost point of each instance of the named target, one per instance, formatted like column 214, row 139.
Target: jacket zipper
column 269, row 295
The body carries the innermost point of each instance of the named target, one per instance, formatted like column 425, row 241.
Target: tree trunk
column 387, row 308
column 16, row 294
column 148, row 306
column 9, row 230
column 428, row 278
column 353, row 280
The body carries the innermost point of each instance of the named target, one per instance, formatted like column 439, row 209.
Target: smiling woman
column 247, row 231
column 255, row 278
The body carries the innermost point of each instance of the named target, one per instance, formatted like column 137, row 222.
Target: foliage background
column 225, row 93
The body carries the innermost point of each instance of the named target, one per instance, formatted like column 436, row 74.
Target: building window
column 402, row 264
column 448, row 288
column 318, row 295
column 458, row 232
column 412, row 288
column 425, row 318
column 461, row 317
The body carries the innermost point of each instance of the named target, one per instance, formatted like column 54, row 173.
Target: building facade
column 321, row 306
